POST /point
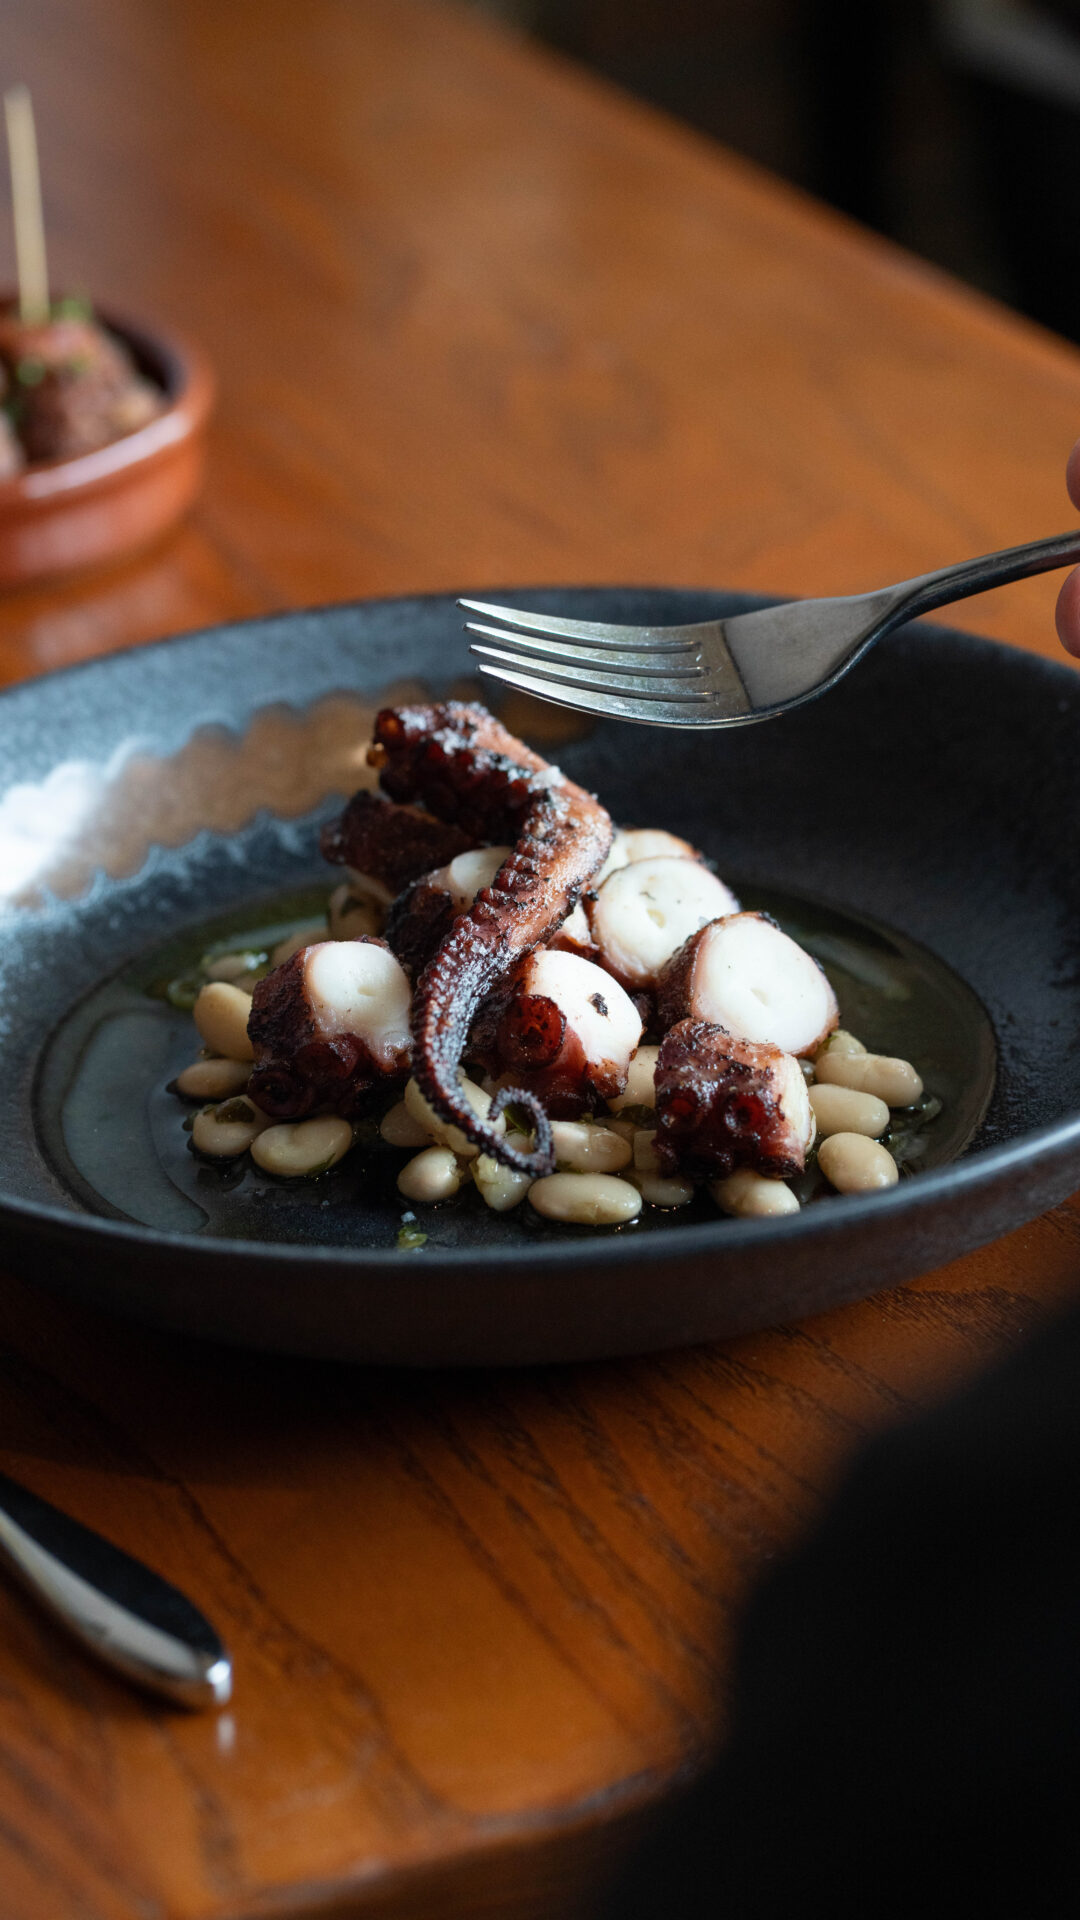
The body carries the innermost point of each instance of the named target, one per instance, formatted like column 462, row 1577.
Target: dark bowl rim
column 970, row 1173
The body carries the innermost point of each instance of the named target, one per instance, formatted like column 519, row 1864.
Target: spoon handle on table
column 130, row 1618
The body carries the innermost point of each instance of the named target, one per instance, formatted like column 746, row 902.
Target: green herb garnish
column 519, row 1119
column 180, row 993
column 409, row 1237
column 72, row 306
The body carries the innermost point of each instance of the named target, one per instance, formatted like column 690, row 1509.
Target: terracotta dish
column 60, row 515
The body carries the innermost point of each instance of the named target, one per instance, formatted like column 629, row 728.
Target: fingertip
column 1067, row 614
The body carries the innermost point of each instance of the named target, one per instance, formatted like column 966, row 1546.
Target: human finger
column 1067, row 614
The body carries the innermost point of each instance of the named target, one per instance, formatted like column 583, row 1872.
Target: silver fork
column 726, row 673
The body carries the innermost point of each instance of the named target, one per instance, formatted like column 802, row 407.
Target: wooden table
column 476, row 320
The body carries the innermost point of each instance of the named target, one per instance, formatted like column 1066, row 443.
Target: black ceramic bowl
column 915, row 826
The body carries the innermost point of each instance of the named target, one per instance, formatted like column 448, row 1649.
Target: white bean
column 853, row 1164
column 580, row 1148
column 842, row 1042
column 750, row 1196
column 300, row 1149
column 308, row 935
column 214, row 1079
column 399, row 1129
column 350, row 914
column 441, row 1130
column 640, row 1089
column 645, row 1158
column 585, row 1199
column 625, row 1129
column 234, row 967
column 894, row 1081
column 229, row 1129
column 502, row 1187
column 843, row 1110
column 661, row 1191
column 221, row 1014
column 435, row 1174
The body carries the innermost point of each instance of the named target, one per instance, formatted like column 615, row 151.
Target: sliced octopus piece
column 644, row 843
column 644, row 912
column 567, row 1035
column 574, row 936
column 423, row 915
column 744, row 973
column 470, row 872
column 387, row 847
column 724, row 1103
column 460, row 765
column 327, row 1026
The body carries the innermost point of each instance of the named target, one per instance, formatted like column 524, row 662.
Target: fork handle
column 930, row 590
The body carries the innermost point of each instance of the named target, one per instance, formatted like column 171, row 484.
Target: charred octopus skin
column 724, row 1103
column 328, row 1025
column 390, row 846
column 460, row 765
column 567, row 1033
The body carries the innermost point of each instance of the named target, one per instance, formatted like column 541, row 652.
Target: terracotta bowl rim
column 174, row 363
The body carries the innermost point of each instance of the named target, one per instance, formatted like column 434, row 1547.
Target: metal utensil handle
column 931, row 590
column 128, row 1616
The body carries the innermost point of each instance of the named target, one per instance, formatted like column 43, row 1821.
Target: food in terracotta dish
column 523, row 999
column 71, row 385
column 12, row 458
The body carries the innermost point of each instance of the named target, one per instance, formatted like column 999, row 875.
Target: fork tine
column 602, row 680
column 613, row 699
column 573, row 655
column 589, row 703
column 606, row 706
column 602, row 632
column 570, row 647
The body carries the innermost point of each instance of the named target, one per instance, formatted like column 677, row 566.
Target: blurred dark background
column 951, row 125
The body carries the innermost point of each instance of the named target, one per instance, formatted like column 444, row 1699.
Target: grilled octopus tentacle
column 462, row 766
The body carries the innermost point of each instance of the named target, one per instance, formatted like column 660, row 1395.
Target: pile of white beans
column 606, row 1167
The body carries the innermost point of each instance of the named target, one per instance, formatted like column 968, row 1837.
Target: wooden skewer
column 26, row 199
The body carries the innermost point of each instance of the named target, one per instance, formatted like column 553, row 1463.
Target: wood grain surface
column 476, row 320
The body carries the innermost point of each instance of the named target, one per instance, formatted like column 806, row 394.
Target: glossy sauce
column 117, row 1136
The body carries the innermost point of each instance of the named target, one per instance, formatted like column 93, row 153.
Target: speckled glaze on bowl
column 60, row 516
column 187, row 781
